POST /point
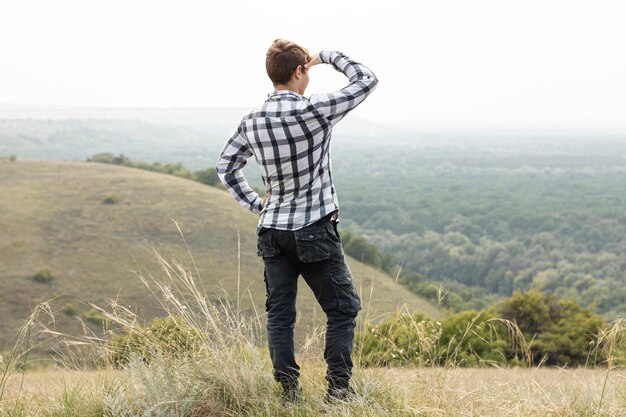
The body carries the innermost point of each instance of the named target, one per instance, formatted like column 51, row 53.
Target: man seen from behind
column 289, row 136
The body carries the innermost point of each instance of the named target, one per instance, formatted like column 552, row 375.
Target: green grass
column 52, row 216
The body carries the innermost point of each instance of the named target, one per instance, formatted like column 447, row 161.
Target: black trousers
column 314, row 252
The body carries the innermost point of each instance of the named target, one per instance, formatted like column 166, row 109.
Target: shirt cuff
column 257, row 206
column 324, row 57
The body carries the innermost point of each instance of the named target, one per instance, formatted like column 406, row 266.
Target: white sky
column 440, row 63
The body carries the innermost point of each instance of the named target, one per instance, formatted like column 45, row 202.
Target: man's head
column 285, row 64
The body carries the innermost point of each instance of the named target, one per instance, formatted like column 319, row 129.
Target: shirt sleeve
column 336, row 105
column 232, row 160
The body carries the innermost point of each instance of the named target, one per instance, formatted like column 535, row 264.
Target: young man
column 289, row 136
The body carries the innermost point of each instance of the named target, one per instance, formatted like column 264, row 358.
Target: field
column 423, row 392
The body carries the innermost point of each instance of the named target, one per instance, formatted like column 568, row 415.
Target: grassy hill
column 52, row 216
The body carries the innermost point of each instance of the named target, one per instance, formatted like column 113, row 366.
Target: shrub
column 465, row 339
column 12, row 158
column 562, row 331
column 70, row 309
column 111, row 199
column 399, row 340
column 359, row 248
column 44, row 276
column 95, row 317
column 472, row 338
column 559, row 332
column 169, row 335
column 207, row 176
column 103, row 158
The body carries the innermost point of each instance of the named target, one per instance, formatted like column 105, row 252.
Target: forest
column 474, row 222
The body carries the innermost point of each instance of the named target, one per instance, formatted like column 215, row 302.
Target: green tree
column 359, row 248
column 207, row 176
column 561, row 332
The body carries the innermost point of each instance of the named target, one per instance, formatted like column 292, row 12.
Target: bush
column 44, row 276
column 472, row 338
column 12, row 158
column 559, row 333
column 207, row 176
column 70, row 310
column 399, row 340
column 103, row 158
column 97, row 318
column 468, row 338
column 169, row 335
column 111, row 199
column 359, row 248
column 562, row 331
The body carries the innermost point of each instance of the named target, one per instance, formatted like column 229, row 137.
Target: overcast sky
column 440, row 63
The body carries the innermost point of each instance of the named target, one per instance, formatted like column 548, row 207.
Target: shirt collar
column 279, row 93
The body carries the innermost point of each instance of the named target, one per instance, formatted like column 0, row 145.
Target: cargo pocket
column 265, row 244
column 312, row 244
column 348, row 299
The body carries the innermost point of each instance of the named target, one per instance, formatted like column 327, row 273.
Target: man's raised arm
column 362, row 82
column 231, row 161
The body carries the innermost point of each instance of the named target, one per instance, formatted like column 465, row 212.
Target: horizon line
column 425, row 126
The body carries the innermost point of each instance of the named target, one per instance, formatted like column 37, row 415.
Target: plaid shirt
column 289, row 136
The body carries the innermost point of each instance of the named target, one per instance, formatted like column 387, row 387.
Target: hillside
column 52, row 215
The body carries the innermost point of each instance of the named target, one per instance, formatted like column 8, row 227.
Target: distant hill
column 52, row 216
column 191, row 136
column 199, row 119
column 78, row 139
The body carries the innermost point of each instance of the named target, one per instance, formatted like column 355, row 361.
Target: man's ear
column 297, row 73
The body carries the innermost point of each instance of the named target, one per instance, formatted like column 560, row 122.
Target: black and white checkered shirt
column 289, row 136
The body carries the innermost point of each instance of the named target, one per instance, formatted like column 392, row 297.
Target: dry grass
column 512, row 392
column 426, row 391
column 43, row 390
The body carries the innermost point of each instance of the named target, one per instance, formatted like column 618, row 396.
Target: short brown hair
column 282, row 59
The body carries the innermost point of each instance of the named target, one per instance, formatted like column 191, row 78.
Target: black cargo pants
column 314, row 252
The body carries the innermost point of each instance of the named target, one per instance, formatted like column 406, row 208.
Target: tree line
column 206, row 176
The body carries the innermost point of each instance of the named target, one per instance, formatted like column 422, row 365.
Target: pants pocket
column 265, row 244
column 312, row 244
column 334, row 233
column 348, row 299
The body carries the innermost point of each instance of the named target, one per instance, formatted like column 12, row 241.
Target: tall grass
column 228, row 373
column 610, row 344
column 212, row 360
column 223, row 368
column 16, row 360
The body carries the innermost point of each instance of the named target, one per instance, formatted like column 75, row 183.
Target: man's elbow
column 222, row 174
column 368, row 80
column 372, row 81
column 369, row 83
